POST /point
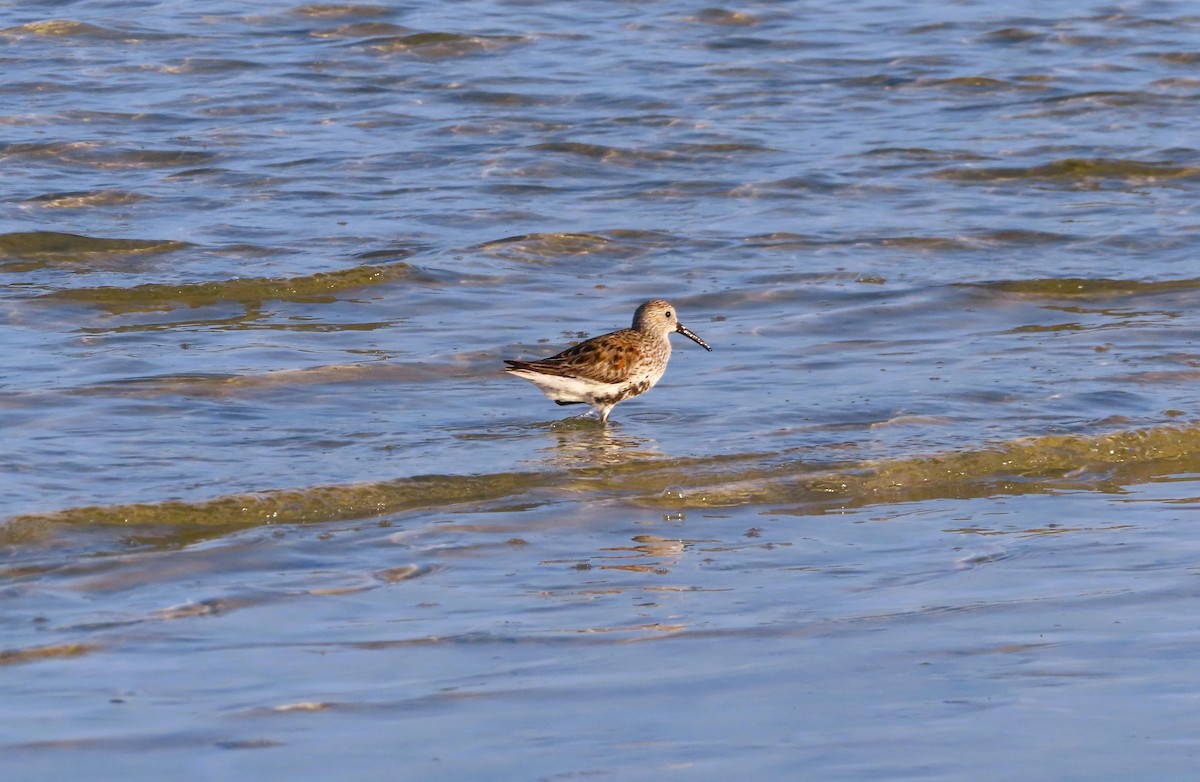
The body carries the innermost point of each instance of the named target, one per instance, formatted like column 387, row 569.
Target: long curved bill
column 685, row 331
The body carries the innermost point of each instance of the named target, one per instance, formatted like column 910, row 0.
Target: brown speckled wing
column 604, row 359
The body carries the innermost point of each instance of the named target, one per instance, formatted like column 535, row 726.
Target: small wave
column 923, row 154
column 441, row 45
column 1175, row 58
column 1011, row 35
column 542, row 247
column 974, row 241
column 342, row 10
column 294, row 506
column 205, row 65
column 1026, row 466
column 1046, row 464
column 68, row 28
column 98, row 156
column 85, row 199
column 603, row 152
column 28, row 250
column 203, row 385
column 634, row 156
column 363, row 30
column 723, row 17
column 1085, row 288
column 249, row 291
column 1076, row 171
column 1074, row 104
column 34, row 653
column 972, row 84
column 23, row 244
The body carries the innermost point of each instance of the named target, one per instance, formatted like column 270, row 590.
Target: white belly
column 570, row 389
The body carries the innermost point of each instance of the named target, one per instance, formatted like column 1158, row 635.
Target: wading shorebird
column 612, row 367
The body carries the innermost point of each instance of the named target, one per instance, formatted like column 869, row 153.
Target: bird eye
column 668, row 314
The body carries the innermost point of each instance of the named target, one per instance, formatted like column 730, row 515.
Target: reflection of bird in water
column 589, row 447
column 663, row 552
column 613, row 367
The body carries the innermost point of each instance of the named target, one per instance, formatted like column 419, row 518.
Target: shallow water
column 923, row 513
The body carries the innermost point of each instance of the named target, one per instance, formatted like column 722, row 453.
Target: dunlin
column 610, row 368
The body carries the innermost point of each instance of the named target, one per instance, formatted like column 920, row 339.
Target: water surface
column 923, row 513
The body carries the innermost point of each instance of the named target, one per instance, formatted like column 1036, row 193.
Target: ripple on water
column 85, row 199
column 249, row 291
column 1078, row 172
column 69, row 28
column 101, row 155
column 343, row 10
column 441, row 45
column 1026, row 466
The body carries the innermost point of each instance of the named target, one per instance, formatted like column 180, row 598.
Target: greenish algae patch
column 547, row 247
column 86, row 198
column 1075, row 170
column 27, row 251
column 723, row 17
column 1026, row 466
column 984, row 240
column 342, row 10
column 1011, row 35
column 35, row 653
column 551, row 245
column 65, row 28
column 972, row 83
column 249, row 291
column 288, row 506
column 635, row 155
column 1087, row 288
column 33, row 244
column 441, row 44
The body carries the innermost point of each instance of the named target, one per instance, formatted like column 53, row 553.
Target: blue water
column 922, row 514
